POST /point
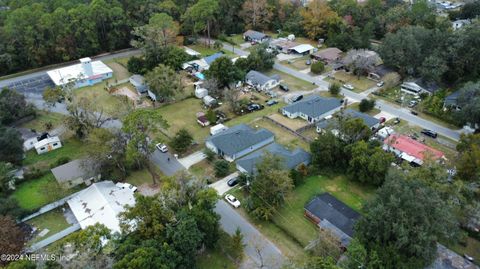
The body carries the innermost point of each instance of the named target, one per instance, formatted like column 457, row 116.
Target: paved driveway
column 254, row 240
column 168, row 167
column 221, row 186
column 192, row 159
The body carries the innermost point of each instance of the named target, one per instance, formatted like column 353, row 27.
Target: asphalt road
column 272, row 257
column 402, row 113
column 168, row 167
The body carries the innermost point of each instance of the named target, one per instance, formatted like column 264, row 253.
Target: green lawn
column 182, row 115
column 141, row 177
column 360, row 84
column 53, row 220
column 289, row 229
column 120, row 72
column 43, row 117
column 282, row 136
column 116, row 106
column 36, row 193
column 71, row 148
column 237, row 39
column 207, row 51
column 203, row 170
column 472, row 248
column 294, row 83
column 256, row 115
column 297, row 63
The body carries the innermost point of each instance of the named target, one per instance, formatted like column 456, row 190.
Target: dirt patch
column 148, row 190
column 293, row 124
column 127, row 92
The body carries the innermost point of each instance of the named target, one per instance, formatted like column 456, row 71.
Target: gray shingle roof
column 258, row 78
column 314, row 106
column 255, row 35
column 238, row 138
column 367, row 119
column 72, row 170
column 290, row 159
column 325, row 206
column 452, row 99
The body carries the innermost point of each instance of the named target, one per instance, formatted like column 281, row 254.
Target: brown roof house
column 328, row 55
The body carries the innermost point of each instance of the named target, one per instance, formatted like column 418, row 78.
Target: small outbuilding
column 48, row 144
column 75, row 173
column 209, row 101
column 302, row 49
column 218, row 129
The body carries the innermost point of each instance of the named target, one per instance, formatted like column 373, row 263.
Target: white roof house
column 102, row 202
column 191, row 52
column 302, row 48
column 48, row 144
column 85, row 70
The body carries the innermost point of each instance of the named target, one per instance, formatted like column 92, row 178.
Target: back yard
column 72, row 148
column 44, row 118
column 53, row 221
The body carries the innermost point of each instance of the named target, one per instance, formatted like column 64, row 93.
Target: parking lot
column 35, row 85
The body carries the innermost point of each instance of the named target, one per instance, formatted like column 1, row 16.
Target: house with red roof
column 410, row 149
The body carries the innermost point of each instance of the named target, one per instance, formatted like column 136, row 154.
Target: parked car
column 308, row 62
column 297, row 98
column 414, row 112
column 232, row 200
column 162, row 147
column 284, row 87
column 430, row 133
column 272, row 102
column 380, row 84
column 232, row 182
column 412, row 103
column 396, row 121
column 254, row 107
column 469, row 258
column 348, row 86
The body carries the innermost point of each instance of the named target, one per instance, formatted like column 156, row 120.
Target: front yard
column 289, row 229
column 297, row 63
column 293, row 83
column 360, row 84
column 372, row 112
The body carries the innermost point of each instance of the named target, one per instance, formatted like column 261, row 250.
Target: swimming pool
column 200, row 76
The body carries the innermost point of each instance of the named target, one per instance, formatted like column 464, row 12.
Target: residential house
column 255, row 36
column 312, row 108
column 102, row 203
column 196, row 67
column 328, row 55
column 141, row 86
column 260, row 81
column 48, row 144
column 303, row 49
column 238, row 141
column 86, row 73
column 410, row 150
column 451, row 101
column 290, row 159
column 333, row 215
column 371, row 122
column 75, row 173
column 458, row 24
column 282, row 45
column 418, row 86
column 29, row 138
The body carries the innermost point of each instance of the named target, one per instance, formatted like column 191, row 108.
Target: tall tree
column 13, row 106
column 12, row 238
column 404, row 222
column 160, row 31
column 139, row 125
column 318, row 17
column 164, row 82
column 469, row 101
column 256, row 14
column 468, row 163
column 269, row 187
column 11, row 145
column 224, row 72
column 202, row 14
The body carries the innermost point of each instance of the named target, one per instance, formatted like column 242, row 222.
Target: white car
column 348, row 86
column 380, row 84
column 232, row 200
column 162, row 147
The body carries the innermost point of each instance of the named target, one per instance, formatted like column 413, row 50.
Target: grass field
column 297, row 63
column 356, row 106
column 53, row 220
column 289, row 229
column 254, row 116
column 36, row 193
column 360, row 84
column 206, row 51
column 120, row 72
column 282, row 136
column 294, row 83
column 142, row 176
column 182, row 115
column 115, row 106
column 43, row 117
column 72, row 148
column 203, row 170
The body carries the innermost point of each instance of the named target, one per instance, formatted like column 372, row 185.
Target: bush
column 210, row 155
column 366, row 105
column 136, row 65
column 217, row 45
column 317, row 67
column 211, row 116
column 334, row 89
column 182, row 141
column 221, row 168
column 34, row 173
